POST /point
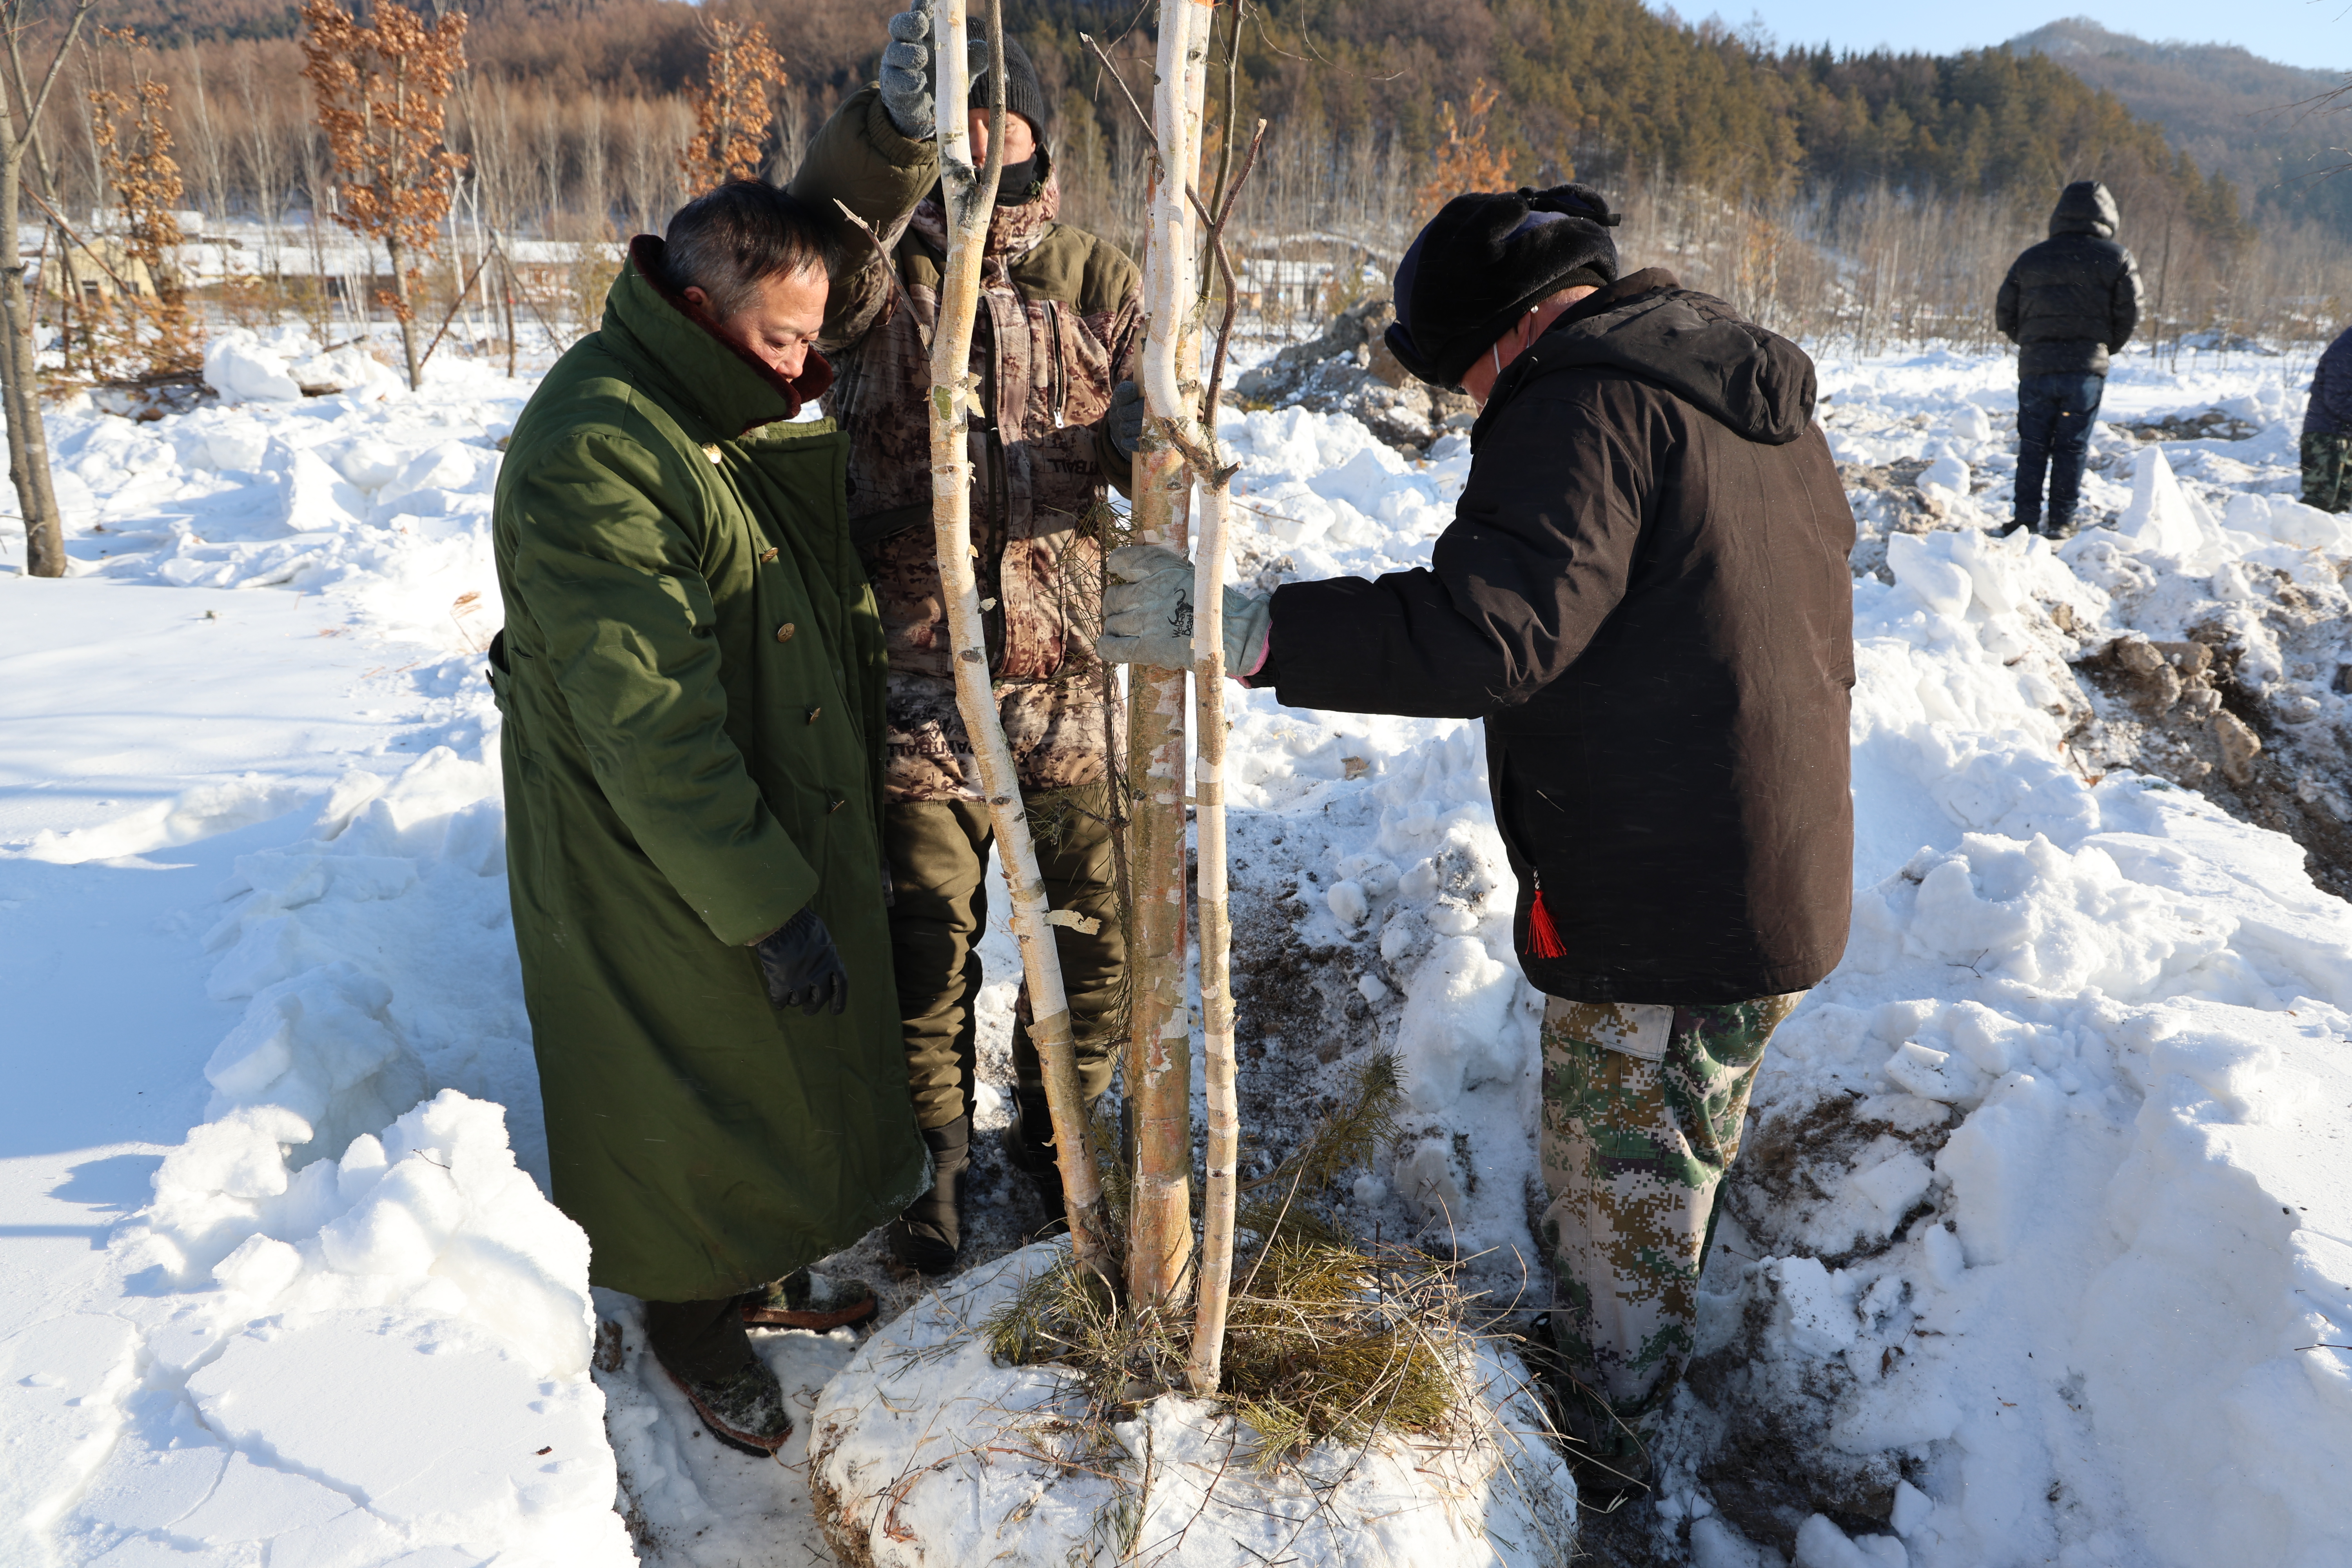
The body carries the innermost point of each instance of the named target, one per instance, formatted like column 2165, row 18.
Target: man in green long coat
column 691, row 677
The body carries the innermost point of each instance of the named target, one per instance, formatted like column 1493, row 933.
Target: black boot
column 927, row 1233
column 1029, row 1145
column 1605, row 1452
column 703, row 1347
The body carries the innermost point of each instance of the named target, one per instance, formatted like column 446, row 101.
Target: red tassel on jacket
column 1543, row 937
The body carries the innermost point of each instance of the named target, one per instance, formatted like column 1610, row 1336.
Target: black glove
column 803, row 966
column 1123, row 423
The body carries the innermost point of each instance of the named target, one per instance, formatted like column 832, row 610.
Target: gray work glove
column 1123, row 422
column 803, row 966
column 907, row 72
column 1148, row 613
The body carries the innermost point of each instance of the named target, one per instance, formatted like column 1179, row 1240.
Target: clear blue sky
column 2315, row 33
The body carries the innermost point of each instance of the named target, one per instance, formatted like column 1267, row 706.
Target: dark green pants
column 2327, row 471
column 939, row 910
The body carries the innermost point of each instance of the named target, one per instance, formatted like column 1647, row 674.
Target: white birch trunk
column 970, row 198
column 1220, row 1070
column 1159, row 1063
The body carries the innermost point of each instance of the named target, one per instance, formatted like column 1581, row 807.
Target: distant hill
column 2235, row 112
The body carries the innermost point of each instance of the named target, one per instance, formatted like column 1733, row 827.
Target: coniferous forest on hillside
column 1866, row 198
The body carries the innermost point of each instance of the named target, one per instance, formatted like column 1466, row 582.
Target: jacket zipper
column 1057, row 381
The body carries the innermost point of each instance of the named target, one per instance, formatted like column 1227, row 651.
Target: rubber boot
column 1029, row 1145
column 928, row 1233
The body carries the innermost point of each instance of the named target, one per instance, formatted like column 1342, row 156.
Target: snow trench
column 2040, row 1247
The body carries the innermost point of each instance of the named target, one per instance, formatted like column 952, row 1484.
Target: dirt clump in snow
column 2189, row 712
column 2213, row 424
column 1348, row 370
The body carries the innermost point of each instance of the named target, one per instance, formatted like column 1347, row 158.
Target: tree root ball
column 925, row 1450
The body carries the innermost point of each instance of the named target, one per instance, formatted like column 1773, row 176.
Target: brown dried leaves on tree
column 1466, row 159
column 382, row 91
column 155, row 335
column 731, row 108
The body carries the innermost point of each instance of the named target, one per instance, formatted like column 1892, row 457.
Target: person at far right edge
column 1644, row 594
column 2327, row 430
column 2067, row 304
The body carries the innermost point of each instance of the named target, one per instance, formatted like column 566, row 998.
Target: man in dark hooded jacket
column 2327, row 430
column 1644, row 594
column 2068, row 303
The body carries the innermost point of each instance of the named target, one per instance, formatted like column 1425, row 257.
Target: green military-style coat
column 691, row 677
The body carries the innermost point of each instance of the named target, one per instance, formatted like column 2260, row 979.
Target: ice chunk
column 1940, row 584
column 1457, row 1031
column 238, row 368
column 2161, row 517
column 1821, row 1545
column 1932, row 1074
column 1816, row 1315
column 261, row 1268
column 1893, row 1185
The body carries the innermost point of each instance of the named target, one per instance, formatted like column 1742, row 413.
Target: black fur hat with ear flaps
column 1485, row 261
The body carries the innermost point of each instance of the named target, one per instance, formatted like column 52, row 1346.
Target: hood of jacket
column 733, row 390
column 2087, row 206
column 1755, row 383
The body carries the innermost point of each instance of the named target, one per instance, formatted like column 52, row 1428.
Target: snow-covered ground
column 2043, row 1244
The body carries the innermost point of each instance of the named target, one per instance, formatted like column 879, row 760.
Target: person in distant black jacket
column 1645, row 593
column 2327, row 430
column 2068, row 303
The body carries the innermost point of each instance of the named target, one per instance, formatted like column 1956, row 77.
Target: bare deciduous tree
column 20, row 397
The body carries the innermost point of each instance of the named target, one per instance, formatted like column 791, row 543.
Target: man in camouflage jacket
column 1059, row 328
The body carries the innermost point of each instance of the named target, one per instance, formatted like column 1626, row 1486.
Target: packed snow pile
column 362, row 1330
column 379, row 496
column 285, row 363
column 354, row 1362
column 416, row 868
column 925, row 1445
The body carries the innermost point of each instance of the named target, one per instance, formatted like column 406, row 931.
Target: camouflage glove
column 907, row 72
column 1148, row 613
column 803, row 966
column 1123, row 424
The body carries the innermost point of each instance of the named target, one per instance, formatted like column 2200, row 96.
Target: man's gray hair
column 731, row 240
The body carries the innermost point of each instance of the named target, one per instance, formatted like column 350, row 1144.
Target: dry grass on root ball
column 1327, row 1337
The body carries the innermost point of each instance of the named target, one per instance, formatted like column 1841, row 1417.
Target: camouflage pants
column 1642, row 1115
column 2327, row 471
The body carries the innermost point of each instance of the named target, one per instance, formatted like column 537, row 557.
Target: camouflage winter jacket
column 1060, row 324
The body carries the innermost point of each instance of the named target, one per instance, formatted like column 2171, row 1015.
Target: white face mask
column 1495, row 349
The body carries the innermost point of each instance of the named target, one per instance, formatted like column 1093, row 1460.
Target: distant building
column 98, row 269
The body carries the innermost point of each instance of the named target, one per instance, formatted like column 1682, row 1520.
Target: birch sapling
column 1221, row 1068
column 1159, row 1058
column 970, row 198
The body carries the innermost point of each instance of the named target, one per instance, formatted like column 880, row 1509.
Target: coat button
column 836, row 806
column 784, row 633
column 767, row 555
column 813, row 714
